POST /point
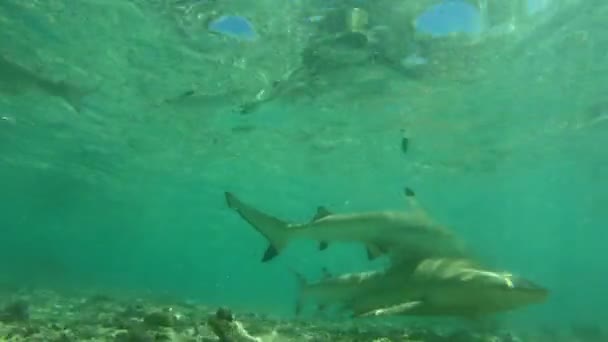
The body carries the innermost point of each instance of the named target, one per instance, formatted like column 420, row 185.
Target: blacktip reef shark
column 410, row 235
column 452, row 287
column 18, row 79
column 435, row 287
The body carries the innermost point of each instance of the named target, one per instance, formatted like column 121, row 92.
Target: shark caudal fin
column 301, row 286
column 275, row 230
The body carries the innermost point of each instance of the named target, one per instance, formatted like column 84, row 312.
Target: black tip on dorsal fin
column 270, row 253
column 321, row 213
column 409, row 192
column 323, row 245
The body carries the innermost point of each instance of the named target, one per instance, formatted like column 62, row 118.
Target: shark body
column 435, row 287
column 453, row 287
column 402, row 235
column 17, row 79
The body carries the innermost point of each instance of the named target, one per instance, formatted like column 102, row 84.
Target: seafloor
column 44, row 315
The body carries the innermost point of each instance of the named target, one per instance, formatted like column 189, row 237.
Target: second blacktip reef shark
column 403, row 235
column 434, row 287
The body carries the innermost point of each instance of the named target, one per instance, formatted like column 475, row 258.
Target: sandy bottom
column 44, row 315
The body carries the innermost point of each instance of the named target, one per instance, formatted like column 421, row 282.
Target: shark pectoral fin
column 321, row 213
column 301, row 286
column 374, row 251
column 277, row 232
column 270, row 253
column 398, row 309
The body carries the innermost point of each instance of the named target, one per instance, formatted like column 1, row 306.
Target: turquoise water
column 122, row 190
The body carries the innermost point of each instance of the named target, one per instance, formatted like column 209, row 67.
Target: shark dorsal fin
column 412, row 202
column 321, row 213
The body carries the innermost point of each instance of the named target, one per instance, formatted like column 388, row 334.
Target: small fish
column 402, row 235
column 17, row 79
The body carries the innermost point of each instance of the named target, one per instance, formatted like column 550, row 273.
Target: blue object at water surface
column 234, row 26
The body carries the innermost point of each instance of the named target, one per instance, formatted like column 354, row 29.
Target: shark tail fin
column 276, row 231
column 301, row 286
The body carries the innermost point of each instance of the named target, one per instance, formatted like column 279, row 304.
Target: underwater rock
column 98, row 299
column 227, row 329
column 25, row 332
column 224, row 314
column 159, row 319
column 134, row 335
column 17, row 311
column 58, row 318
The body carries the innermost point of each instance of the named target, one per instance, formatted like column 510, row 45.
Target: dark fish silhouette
column 16, row 79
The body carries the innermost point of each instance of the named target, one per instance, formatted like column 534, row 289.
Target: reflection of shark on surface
column 17, row 79
column 402, row 235
column 434, row 287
